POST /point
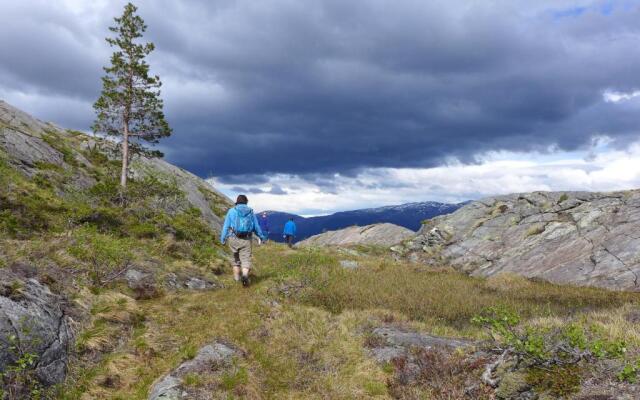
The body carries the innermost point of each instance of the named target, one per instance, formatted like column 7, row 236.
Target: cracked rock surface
column 391, row 343
column 579, row 238
column 33, row 320
column 396, row 342
column 212, row 359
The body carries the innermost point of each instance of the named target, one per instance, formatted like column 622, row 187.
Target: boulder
column 142, row 283
column 33, row 321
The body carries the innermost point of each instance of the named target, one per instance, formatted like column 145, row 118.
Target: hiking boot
column 245, row 281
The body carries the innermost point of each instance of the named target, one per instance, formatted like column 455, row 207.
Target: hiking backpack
column 244, row 223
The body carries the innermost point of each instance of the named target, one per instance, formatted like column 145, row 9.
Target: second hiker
column 289, row 232
column 239, row 226
column 264, row 224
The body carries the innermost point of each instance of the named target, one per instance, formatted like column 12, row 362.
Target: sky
column 319, row 106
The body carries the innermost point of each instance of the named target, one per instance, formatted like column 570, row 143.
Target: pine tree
column 130, row 106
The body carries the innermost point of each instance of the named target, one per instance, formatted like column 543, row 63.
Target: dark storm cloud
column 256, row 88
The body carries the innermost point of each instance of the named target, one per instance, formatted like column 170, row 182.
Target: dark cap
column 242, row 199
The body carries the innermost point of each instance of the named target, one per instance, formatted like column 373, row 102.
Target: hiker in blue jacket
column 289, row 232
column 239, row 226
column 264, row 224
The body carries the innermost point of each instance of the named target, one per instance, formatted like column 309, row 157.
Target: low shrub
column 104, row 219
column 144, row 230
column 554, row 358
column 105, row 255
column 189, row 226
column 18, row 378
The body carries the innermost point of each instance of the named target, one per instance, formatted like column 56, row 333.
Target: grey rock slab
column 397, row 343
column 198, row 284
column 25, row 151
column 175, row 281
column 34, row 318
column 349, row 264
column 170, row 386
column 378, row 234
column 579, row 238
column 398, row 337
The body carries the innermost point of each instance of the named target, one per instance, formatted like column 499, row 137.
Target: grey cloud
column 275, row 189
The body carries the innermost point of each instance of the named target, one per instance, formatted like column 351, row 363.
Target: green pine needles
column 130, row 106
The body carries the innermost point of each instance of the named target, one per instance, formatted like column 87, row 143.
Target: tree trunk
column 125, row 156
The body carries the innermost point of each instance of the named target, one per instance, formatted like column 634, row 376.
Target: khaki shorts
column 241, row 249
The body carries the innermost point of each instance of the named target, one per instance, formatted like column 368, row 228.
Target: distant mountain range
column 409, row 215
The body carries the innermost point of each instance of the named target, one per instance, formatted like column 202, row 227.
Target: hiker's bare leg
column 233, row 245
column 245, row 258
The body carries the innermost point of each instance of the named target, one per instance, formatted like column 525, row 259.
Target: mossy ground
column 303, row 325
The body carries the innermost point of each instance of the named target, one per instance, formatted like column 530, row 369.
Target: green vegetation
column 303, row 328
column 108, row 256
column 432, row 297
column 57, row 142
column 18, row 377
column 99, row 230
column 553, row 358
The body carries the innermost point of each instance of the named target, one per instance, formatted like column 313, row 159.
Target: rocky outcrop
column 198, row 192
column 377, row 234
column 32, row 145
column 213, row 358
column 184, row 281
column 415, row 356
column 392, row 342
column 33, row 323
column 580, row 238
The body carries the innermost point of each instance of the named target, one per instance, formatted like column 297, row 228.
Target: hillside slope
column 39, row 150
column 575, row 238
column 377, row 235
column 408, row 215
column 75, row 251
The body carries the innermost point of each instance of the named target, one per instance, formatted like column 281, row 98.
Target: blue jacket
column 230, row 219
column 264, row 224
column 289, row 228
